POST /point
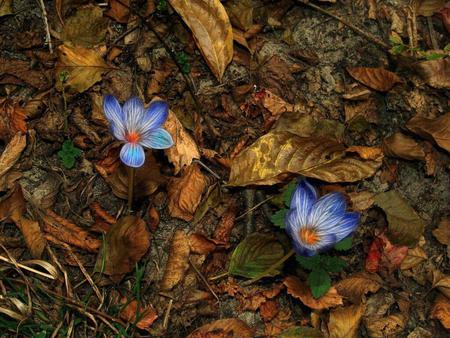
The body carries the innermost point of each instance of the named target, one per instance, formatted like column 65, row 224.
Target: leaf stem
column 131, row 174
column 270, row 269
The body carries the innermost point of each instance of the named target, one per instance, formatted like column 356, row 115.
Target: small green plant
column 68, row 154
column 398, row 47
column 161, row 6
column 183, row 60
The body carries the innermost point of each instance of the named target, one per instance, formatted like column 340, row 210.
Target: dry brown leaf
column 211, row 29
column 436, row 73
column 272, row 102
column 117, row 11
column 278, row 154
column 240, row 13
column 6, row 7
column 184, row 149
column 32, row 233
column 440, row 281
column 125, row 244
column 389, row 326
column 402, row 146
column 147, row 315
column 414, row 257
column 223, row 328
column 12, row 119
column 357, row 285
column 344, row 322
column 367, row 153
column 8, row 180
column 428, row 7
column 437, row 129
column 301, row 290
column 269, row 309
column 185, row 193
column 361, row 201
column 83, row 66
column 223, row 230
column 12, row 204
column 12, row 152
column 14, row 71
column 178, row 261
column 442, row 232
column 441, row 310
column 376, row 78
column 199, row 244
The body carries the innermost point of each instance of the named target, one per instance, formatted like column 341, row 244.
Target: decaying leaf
column 441, row 310
column 124, row 245
column 405, row 226
column 212, row 31
column 357, row 285
column 223, row 230
column 15, row 71
column 376, row 78
column 301, row 291
column 118, row 12
column 184, row 149
column 344, row 322
column 12, row 119
column 12, row 152
column 389, row 326
column 278, row 154
column 383, row 256
column 442, row 232
column 199, row 244
column 178, row 261
column 302, row 331
column 32, row 233
column 436, row 73
column 255, row 255
column 437, row 129
column 402, row 146
column 185, row 193
column 428, row 7
column 211, row 199
column 414, row 257
column 361, row 201
column 5, row 7
column 240, row 13
column 229, row 327
column 440, row 281
column 82, row 67
column 147, row 315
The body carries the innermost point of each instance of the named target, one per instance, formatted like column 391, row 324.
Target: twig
column 48, row 38
column 254, row 208
column 167, row 313
column 204, row 281
column 354, row 28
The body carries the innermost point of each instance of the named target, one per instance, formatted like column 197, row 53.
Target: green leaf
column 333, row 264
column 345, row 244
column 301, row 332
column 68, row 154
column 434, row 56
column 254, row 255
column 320, row 282
column 447, row 48
column 310, row 263
column 287, row 194
column 279, row 217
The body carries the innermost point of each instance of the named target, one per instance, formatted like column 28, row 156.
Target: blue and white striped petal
column 114, row 114
column 303, row 199
column 154, row 116
column 133, row 110
column 327, row 212
column 348, row 224
column 132, row 155
column 158, row 138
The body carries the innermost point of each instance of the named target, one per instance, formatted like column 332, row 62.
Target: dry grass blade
column 53, row 274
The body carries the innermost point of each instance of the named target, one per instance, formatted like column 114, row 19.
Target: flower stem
column 131, row 174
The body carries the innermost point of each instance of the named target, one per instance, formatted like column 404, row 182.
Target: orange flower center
column 308, row 236
column 133, row 137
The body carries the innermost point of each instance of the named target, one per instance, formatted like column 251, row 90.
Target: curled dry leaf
column 402, row 146
column 357, row 285
column 12, row 152
column 12, row 120
column 124, row 245
column 178, row 261
column 301, row 291
column 441, row 310
column 185, row 193
column 344, row 322
column 229, row 327
column 277, row 154
column 146, row 315
column 442, row 232
column 435, row 73
column 376, row 78
column 389, row 326
column 83, row 67
column 437, row 129
column 201, row 245
column 184, row 150
column 211, row 29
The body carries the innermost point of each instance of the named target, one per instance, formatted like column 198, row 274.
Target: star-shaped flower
column 317, row 224
column 137, row 127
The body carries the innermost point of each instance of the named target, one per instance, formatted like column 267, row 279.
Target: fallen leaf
column 12, row 119
column 344, row 322
column 437, row 129
column 117, row 11
column 178, row 261
column 402, row 146
column 428, row 7
column 6, row 7
column 184, row 149
column 201, row 245
column 435, row 73
column 255, row 255
column 12, row 152
column 8, row 180
column 269, row 309
column 362, row 200
column 389, row 326
column 414, row 257
column 13, row 71
column 125, row 244
column 357, row 285
column 240, row 13
column 86, row 27
column 32, row 233
column 384, row 256
column 376, row 78
column 301, row 331
column 301, row 291
column 441, row 310
column 83, row 67
column 272, row 102
column 147, row 315
column 223, row 230
column 229, row 328
column 185, row 193
column 211, row 199
column 278, row 154
column 211, row 30
column 442, row 232
column 367, row 153
column 440, row 281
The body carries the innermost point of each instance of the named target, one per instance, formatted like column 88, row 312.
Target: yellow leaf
column 83, row 67
column 344, row 322
column 212, row 31
column 278, row 154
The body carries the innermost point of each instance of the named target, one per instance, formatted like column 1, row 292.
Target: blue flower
column 317, row 224
column 137, row 127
